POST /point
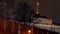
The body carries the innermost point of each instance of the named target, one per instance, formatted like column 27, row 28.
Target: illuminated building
column 40, row 23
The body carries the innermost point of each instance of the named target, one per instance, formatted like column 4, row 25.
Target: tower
column 37, row 14
column 37, row 18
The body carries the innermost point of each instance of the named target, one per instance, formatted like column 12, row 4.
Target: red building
column 11, row 27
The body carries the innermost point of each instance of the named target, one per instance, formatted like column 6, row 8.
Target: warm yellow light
column 37, row 12
column 29, row 31
column 37, row 3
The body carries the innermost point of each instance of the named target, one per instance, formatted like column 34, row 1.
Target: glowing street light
column 29, row 31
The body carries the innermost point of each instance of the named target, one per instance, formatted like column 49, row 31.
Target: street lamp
column 29, row 31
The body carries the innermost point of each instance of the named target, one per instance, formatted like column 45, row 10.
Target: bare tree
column 6, row 8
column 24, row 11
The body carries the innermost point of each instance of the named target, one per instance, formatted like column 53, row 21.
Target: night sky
column 49, row 8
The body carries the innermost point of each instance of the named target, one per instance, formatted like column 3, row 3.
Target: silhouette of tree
column 24, row 12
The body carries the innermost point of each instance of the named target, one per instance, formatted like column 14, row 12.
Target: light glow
column 29, row 31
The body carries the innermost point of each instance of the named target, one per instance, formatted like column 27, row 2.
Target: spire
column 37, row 12
column 37, row 15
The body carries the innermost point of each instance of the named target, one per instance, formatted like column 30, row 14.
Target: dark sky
column 49, row 8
